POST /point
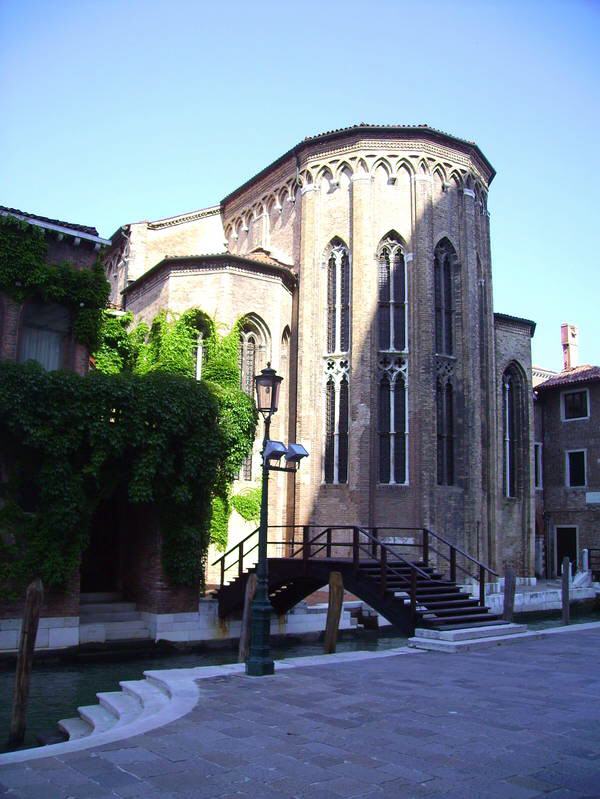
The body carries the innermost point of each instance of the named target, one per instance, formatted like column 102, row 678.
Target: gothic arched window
column 44, row 334
column 445, row 432
column 444, row 258
column 252, row 357
column 392, row 295
column 338, row 297
column 512, row 430
column 393, row 427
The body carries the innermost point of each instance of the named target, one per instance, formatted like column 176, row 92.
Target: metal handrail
column 237, row 546
column 383, row 545
column 460, row 552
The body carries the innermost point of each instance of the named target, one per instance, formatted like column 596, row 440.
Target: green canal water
column 59, row 687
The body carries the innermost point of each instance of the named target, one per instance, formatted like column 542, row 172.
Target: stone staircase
column 106, row 617
column 137, row 700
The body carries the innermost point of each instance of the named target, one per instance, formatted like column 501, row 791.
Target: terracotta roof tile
column 82, row 228
column 579, row 374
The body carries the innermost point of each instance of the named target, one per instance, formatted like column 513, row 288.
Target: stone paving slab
column 512, row 723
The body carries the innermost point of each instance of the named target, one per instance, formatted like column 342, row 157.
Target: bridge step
column 441, row 603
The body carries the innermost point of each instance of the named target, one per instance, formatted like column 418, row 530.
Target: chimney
column 569, row 336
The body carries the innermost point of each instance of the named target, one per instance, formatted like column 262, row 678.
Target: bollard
column 566, row 579
column 31, row 616
column 510, row 581
column 334, row 611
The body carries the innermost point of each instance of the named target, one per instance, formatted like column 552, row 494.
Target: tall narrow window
column 336, row 421
column 392, row 295
column 392, row 344
column 444, row 298
column 252, row 357
column 445, row 433
column 512, row 430
column 337, row 370
column 199, row 355
column 338, row 298
column 393, row 427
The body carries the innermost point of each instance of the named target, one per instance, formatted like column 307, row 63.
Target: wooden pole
column 510, row 582
column 31, row 616
column 334, row 611
column 247, row 619
column 566, row 574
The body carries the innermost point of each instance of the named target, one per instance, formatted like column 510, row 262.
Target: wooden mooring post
column 510, row 582
column 31, row 617
column 566, row 579
column 244, row 647
column 334, row 612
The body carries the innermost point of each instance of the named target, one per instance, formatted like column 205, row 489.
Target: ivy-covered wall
column 139, row 421
column 25, row 273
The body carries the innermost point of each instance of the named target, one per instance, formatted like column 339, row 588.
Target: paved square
column 514, row 722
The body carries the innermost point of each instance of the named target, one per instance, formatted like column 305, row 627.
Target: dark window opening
column 575, row 405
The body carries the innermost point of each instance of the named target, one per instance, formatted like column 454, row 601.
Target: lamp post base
column 259, row 667
column 259, row 662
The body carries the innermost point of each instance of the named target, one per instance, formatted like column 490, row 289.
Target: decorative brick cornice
column 182, row 219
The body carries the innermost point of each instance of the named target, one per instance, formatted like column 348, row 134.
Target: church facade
column 359, row 264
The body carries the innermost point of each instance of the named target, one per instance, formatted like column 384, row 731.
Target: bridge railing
column 393, row 549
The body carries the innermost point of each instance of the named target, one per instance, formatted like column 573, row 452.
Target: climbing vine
column 70, row 441
column 25, row 273
column 247, row 503
column 170, row 345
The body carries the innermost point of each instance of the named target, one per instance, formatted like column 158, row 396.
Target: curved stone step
column 151, row 697
column 75, row 728
column 98, row 717
column 125, row 707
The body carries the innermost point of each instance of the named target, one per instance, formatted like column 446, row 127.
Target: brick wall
column 563, row 506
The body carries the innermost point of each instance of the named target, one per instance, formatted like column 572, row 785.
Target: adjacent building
column 567, row 461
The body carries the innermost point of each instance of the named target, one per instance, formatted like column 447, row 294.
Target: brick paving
column 516, row 722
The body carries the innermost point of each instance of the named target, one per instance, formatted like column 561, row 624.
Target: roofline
column 504, row 317
column 413, row 130
column 566, row 381
column 78, row 234
column 223, row 256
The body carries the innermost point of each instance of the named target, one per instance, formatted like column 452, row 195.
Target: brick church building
column 359, row 262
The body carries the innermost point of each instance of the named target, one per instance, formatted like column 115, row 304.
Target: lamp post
column 259, row 662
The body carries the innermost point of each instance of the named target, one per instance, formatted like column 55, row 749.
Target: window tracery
column 444, row 298
column 337, row 374
column 392, row 295
column 338, row 298
column 393, row 419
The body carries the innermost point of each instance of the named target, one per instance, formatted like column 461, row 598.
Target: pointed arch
column 343, row 167
column 337, row 259
column 393, row 294
column 444, row 261
column 514, row 425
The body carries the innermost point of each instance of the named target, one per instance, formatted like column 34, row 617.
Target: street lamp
column 259, row 662
column 268, row 383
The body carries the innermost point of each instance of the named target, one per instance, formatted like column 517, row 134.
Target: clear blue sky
column 114, row 111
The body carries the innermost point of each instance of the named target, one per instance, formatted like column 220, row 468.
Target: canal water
column 59, row 687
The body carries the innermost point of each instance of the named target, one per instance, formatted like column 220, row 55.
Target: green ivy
column 170, row 345
column 25, row 273
column 247, row 503
column 70, row 441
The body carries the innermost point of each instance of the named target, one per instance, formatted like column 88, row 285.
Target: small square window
column 575, row 405
column 576, row 476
